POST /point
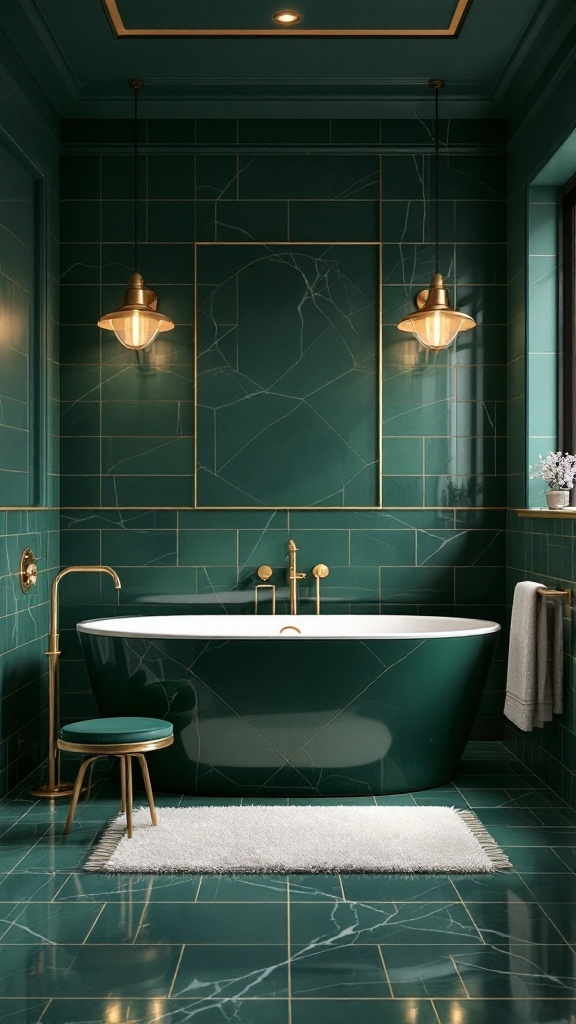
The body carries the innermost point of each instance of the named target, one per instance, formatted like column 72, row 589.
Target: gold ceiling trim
column 121, row 32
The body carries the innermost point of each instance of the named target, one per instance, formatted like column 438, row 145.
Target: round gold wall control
column 265, row 572
column 28, row 570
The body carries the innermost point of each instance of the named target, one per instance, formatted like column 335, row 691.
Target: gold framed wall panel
column 451, row 31
column 377, row 506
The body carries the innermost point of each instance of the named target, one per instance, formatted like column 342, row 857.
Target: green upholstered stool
column 123, row 738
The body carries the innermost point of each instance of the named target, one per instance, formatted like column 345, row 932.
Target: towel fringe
column 489, row 845
column 108, row 843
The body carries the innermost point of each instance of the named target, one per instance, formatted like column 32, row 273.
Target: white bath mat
column 258, row 838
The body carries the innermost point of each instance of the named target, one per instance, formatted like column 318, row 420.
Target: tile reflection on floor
column 307, row 949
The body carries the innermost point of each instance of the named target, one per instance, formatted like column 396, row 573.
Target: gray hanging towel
column 521, row 680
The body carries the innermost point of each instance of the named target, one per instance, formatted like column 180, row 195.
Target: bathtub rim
column 116, row 628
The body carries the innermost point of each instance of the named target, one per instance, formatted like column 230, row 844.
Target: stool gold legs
column 126, row 793
column 148, row 787
column 76, row 791
column 128, row 760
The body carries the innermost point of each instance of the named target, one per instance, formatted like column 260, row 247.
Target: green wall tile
column 346, row 221
column 403, row 455
column 382, row 547
column 207, row 547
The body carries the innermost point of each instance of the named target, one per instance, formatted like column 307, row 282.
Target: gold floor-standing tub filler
column 55, row 787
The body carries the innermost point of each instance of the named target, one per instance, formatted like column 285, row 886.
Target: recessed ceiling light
column 287, row 17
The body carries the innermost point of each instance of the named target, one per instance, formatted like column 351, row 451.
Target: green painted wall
column 127, row 425
column 539, row 549
column 28, row 411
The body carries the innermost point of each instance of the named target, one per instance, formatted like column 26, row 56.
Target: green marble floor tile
column 232, row 971
column 422, row 971
column 11, row 854
column 487, row 798
column 398, row 888
column 539, row 798
column 31, row 923
column 54, row 856
column 550, row 888
column 39, row 886
column 567, row 855
column 86, row 971
column 536, row 859
column 508, row 816
column 243, row 889
column 563, row 916
column 491, row 888
column 21, row 1011
column 508, row 1011
column 556, row 815
column 315, row 888
column 165, row 1011
column 338, row 972
column 514, row 921
column 445, row 800
column 543, row 835
column 205, row 923
column 397, row 1011
column 403, row 800
column 518, row 972
column 442, row 923
column 105, row 888
column 503, row 780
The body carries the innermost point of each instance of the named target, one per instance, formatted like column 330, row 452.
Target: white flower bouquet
column 556, row 469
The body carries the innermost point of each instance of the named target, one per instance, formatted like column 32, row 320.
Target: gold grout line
column 41, row 1017
column 198, row 889
column 341, row 889
column 56, row 894
column 169, row 996
column 93, row 925
column 435, row 1011
column 385, row 969
column 455, row 966
column 289, row 950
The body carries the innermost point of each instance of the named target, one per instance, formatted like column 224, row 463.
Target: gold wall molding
column 451, row 31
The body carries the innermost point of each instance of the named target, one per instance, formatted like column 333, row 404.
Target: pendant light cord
column 136, row 85
column 437, row 174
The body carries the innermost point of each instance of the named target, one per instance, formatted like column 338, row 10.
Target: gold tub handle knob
column 319, row 572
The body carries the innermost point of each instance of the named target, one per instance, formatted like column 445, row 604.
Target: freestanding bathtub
column 338, row 705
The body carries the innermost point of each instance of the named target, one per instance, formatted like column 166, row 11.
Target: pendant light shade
column 435, row 324
column 137, row 321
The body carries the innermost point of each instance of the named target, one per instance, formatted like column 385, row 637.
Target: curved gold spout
column 54, row 786
column 53, row 647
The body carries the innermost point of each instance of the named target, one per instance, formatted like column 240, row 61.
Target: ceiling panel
column 392, row 18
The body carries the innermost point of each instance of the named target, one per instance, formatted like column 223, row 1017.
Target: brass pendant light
column 435, row 323
column 137, row 321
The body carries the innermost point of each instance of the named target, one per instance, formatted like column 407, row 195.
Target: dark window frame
column 567, row 417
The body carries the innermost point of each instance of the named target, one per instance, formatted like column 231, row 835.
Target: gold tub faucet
column 293, row 577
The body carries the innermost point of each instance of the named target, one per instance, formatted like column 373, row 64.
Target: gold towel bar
column 548, row 592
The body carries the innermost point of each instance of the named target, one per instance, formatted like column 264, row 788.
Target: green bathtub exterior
column 329, row 717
